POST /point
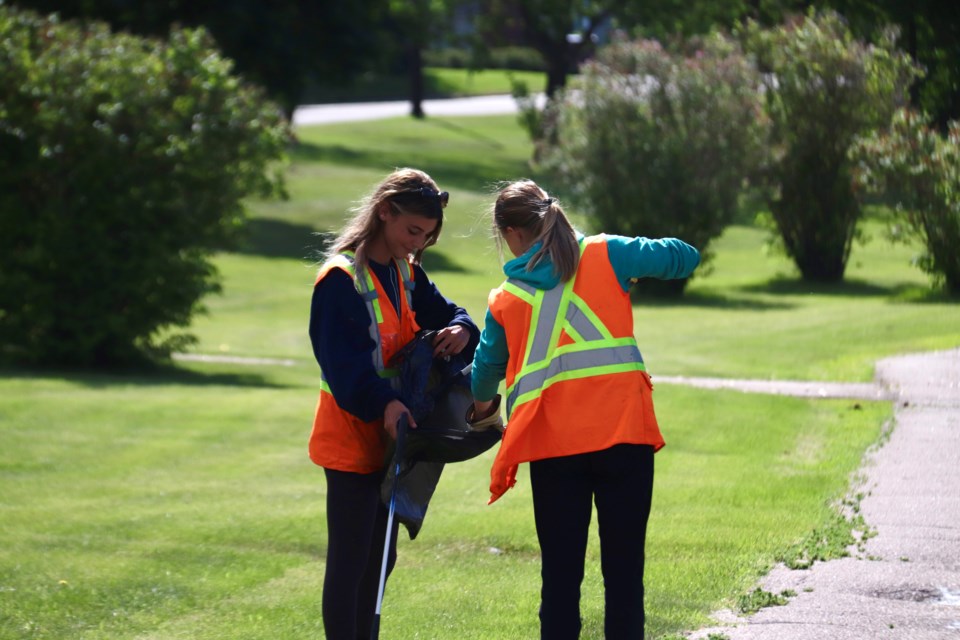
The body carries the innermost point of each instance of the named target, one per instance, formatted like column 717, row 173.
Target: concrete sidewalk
column 906, row 585
column 347, row 112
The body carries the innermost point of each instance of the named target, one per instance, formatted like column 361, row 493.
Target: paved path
column 474, row 106
column 865, row 391
column 906, row 584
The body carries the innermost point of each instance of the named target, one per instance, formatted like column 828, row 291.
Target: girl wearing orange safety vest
column 370, row 298
column 578, row 399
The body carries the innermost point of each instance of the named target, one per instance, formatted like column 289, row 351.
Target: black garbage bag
column 437, row 392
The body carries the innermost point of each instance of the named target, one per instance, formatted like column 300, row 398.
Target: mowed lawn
column 181, row 504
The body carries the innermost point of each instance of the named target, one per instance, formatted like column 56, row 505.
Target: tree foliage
column 823, row 89
column 918, row 169
column 659, row 143
column 930, row 35
column 123, row 165
column 280, row 44
column 563, row 31
column 667, row 19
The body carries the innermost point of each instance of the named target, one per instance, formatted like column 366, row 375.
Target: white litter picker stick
column 398, row 456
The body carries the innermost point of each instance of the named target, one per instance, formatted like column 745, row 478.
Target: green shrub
column 123, row 165
column 823, row 88
column 918, row 169
column 448, row 58
column 512, row 58
column 517, row 59
column 660, row 143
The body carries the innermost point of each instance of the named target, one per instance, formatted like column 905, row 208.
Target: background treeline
column 287, row 45
column 126, row 160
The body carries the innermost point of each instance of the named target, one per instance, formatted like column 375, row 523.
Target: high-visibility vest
column 575, row 379
column 339, row 440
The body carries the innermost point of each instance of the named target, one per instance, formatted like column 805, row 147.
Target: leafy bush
column 517, row 59
column 448, row 57
column 660, row 143
column 823, row 88
column 123, row 165
column 918, row 169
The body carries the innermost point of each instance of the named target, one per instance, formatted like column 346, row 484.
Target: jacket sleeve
column 340, row 335
column 490, row 360
column 434, row 311
column 664, row 258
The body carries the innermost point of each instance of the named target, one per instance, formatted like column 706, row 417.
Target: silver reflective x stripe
column 582, row 324
column 408, row 282
column 369, row 296
column 549, row 304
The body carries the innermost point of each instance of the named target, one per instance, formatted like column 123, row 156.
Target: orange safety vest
column 575, row 378
column 339, row 439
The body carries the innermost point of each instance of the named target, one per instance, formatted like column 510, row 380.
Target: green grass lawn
column 185, row 507
column 182, row 504
column 438, row 83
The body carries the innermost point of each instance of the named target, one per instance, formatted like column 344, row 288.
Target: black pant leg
column 370, row 583
column 623, row 491
column 356, row 523
column 562, row 510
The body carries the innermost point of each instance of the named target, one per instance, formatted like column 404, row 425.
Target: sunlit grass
column 184, row 506
column 181, row 503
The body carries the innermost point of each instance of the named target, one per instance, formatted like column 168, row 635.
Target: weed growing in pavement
column 758, row 599
column 833, row 540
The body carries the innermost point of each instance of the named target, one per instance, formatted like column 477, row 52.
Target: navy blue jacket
column 339, row 333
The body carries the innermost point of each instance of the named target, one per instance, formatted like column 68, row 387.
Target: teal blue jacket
column 665, row 259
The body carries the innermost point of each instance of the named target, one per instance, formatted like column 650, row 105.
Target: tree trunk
column 415, row 59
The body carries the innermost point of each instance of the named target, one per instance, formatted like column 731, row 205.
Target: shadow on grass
column 926, row 295
column 434, row 260
column 713, row 299
column 476, row 172
column 466, row 132
column 467, row 175
column 848, row 288
column 145, row 375
column 278, row 239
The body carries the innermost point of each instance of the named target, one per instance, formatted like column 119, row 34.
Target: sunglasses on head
column 426, row 192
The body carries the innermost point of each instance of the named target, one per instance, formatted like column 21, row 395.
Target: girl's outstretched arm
column 663, row 258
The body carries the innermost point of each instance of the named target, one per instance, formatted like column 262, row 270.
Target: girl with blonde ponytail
column 578, row 400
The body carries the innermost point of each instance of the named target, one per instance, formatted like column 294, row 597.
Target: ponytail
column 559, row 241
column 524, row 205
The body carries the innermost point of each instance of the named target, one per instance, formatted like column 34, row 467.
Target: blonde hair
column 365, row 223
column 524, row 205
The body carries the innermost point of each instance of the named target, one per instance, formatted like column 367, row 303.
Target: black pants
column 620, row 480
column 356, row 525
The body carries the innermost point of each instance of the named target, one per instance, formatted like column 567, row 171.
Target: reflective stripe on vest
column 593, row 352
column 368, row 291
